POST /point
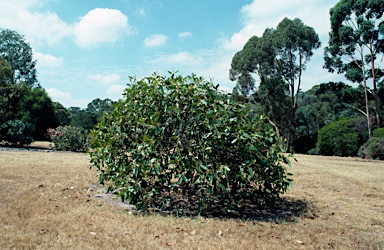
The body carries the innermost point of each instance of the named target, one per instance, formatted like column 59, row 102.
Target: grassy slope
column 44, row 205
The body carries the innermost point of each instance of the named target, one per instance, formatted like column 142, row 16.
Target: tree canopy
column 18, row 53
column 356, row 45
column 278, row 58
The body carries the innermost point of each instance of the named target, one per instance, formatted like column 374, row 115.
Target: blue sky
column 87, row 49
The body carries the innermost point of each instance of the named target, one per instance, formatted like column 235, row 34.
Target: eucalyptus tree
column 279, row 57
column 18, row 53
column 356, row 45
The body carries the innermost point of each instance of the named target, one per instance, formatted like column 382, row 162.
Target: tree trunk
column 377, row 111
column 366, row 96
column 292, row 115
column 367, row 108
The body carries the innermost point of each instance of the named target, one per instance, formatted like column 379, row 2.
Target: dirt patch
column 100, row 193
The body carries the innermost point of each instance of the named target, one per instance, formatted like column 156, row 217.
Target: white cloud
column 181, row 58
column 105, row 79
column 96, row 27
column 260, row 14
column 66, row 99
column 48, row 61
column 155, row 40
column 57, row 95
column 101, row 26
column 141, row 12
column 116, row 90
column 184, row 34
column 24, row 17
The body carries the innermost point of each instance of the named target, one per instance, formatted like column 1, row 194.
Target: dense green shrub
column 379, row 132
column 16, row 132
column 314, row 151
column 177, row 136
column 338, row 138
column 68, row 138
column 373, row 149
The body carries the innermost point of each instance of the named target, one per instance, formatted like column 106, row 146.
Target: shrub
column 172, row 139
column 16, row 132
column 68, row 138
column 379, row 132
column 373, row 149
column 314, row 151
column 338, row 138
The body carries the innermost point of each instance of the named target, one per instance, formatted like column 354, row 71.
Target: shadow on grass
column 288, row 210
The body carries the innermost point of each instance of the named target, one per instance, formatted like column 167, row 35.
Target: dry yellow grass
column 41, row 144
column 44, row 205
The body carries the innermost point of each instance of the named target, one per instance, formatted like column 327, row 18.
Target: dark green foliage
column 10, row 94
column 314, row 151
column 98, row 107
column 324, row 104
column 68, row 138
column 373, row 149
column 379, row 132
column 339, row 138
column 173, row 137
column 39, row 110
column 16, row 132
column 336, row 100
column 62, row 114
column 304, row 143
column 87, row 118
column 5, row 72
column 12, row 129
column 81, row 118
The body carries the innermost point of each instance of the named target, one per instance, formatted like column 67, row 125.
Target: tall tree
column 295, row 43
column 356, row 45
column 278, row 57
column 18, row 53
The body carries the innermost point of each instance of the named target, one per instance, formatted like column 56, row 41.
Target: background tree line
column 268, row 74
column 26, row 110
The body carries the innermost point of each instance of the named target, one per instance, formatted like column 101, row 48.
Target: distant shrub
column 379, row 132
column 68, row 138
column 339, row 138
column 16, row 132
column 373, row 149
column 314, row 151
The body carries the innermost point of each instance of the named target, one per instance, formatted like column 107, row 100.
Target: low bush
column 16, row 132
column 373, row 149
column 339, row 138
column 314, row 151
column 174, row 142
column 68, row 138
column 379, row 132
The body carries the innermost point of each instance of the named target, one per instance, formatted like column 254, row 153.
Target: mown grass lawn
column 46, row 203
